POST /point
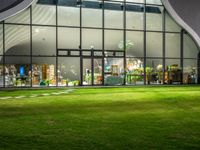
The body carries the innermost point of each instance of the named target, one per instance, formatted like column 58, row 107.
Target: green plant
column 47, row 82
column 75, row 82
column 17, row 82
column 149, row 72
column 128, row 45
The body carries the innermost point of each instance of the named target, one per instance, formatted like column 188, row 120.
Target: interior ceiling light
column 37, row 30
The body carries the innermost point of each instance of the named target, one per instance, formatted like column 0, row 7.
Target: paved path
column 37, row 95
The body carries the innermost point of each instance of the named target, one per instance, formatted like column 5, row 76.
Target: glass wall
column 173, row 71
column 43, row 71
column 68, row 16
column 94, row 42
column 1, row 39
column 17, row 39
column 134, row 44
column 154, row 20
column 17, row 71
column 44, row 14
column 113, row 71
column 68, row 71
column 134, row 71
column 173, row 45
column 154, row 44
column 190, row 71
column 114, row 39
column 154, row 71
column 43, row 40
column 1, row 72
column 92, row 39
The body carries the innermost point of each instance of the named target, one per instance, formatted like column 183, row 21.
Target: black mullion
column 92, row 67
column 4, row 54
column 80, row 46
column 31, row 45
column 103, row 41
column 198, row 68
column 144, row 42
column 56, row 44
column 181, row 53
column 124, row 11
column 164, row 28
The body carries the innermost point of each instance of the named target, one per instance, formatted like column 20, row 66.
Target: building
column 94, row 42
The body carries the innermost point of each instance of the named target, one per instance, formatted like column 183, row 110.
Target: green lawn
column 128, row 118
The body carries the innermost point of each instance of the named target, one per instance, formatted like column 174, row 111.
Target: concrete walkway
column 38, row 95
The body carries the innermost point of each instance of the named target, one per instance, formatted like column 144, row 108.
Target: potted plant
column 47, row 82
column 149, row 71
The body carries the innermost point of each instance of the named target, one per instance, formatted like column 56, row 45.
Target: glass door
column 97, row 71
column 87, row 71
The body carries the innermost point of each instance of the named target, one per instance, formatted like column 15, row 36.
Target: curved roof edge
column 16, row 9
column 180, row 21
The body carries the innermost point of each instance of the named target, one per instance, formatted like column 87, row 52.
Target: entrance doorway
column 92, row 71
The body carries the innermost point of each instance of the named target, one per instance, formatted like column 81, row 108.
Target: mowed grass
column 127, row 118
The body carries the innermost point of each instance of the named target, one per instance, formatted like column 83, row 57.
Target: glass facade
column 95, row 42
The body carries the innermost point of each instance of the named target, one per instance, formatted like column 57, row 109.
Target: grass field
column 128, row 118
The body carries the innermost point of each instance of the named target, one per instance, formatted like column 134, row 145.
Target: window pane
column 190, row 48
column 87, row 72
column 136, row 1
column 154, row 2
column 173, row 73
column 68, row 38
column 114, row 71
column 44, row 14
column 171, row 25
column 1, row 39
column 97, row 71
column 44, row 40
column 68, row 16
column 154, row 18
column 43, row 71
column 135, row 71
column 134, row 20
column 17, row 40
column 92, row 39
column 1, row 71
column 172, row 45
column 114, row 40
column 91, row 17
column 134, row 44
column 68, row 71
column 17, row 71
column 113, row 15
column 189, row 71
column 22, row 17
column 154, row 71
column 154, row 44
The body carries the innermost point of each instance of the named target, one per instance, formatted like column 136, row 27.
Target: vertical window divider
column 144, row 42
column 80, row 46
column 181, row 53
column 31, row 45
column 124, row 11
column 163, row 59
column 4, row 54
column 56, row 44
column 103, row 41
